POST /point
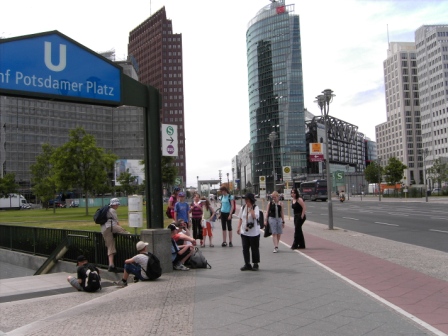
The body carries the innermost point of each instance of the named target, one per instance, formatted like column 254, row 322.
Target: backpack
column 197, row 260
column 153, row 269
column 93, row 279
column 168, row 212
column 100, row 216
column 260, row 217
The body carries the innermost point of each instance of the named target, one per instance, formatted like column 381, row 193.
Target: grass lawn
column 67, row 218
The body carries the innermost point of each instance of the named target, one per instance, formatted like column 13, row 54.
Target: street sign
column 58, row 67
column 287, row 194
column 169, row 140
column 317, row 158
column 287, row 173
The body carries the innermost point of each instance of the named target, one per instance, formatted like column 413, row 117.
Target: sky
column 344, row 44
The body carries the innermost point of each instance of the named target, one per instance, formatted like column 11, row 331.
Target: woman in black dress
column 299, row 207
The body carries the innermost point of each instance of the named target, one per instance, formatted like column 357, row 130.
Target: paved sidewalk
column 291, row 295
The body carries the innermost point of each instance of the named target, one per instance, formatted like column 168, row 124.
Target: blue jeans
column 134, row 269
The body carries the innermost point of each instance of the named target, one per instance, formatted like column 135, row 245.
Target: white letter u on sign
column 62, row 57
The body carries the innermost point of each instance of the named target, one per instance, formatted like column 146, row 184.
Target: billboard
column 135, row 169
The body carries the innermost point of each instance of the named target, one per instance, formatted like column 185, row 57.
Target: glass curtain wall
column 275, row 87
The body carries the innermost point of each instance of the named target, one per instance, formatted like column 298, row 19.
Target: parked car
column 436, row 190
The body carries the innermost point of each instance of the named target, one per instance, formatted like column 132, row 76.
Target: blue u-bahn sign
column 58, row 67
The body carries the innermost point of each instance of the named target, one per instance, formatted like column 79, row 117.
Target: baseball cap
column 173, row 227
column 114, row 201
column 141, row 245
column 181, row 194
column 80, row 258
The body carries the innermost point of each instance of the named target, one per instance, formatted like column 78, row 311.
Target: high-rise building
column 432, row 65
column 157, row 56
column 275, row 86
column 400, row 136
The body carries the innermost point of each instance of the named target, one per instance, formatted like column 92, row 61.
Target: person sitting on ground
column 180, row 237
column 183, row 227
column 136, row 265
column 179, row 253
column 80, row 283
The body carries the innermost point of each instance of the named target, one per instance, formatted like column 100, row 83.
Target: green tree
column 438, row 172
column 79, row 163
column 373, row 171
column 42, row 176
column 8, row 184
column 127, row 181
column 394, row 171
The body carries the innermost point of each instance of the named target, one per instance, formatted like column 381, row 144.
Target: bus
column 314, row 190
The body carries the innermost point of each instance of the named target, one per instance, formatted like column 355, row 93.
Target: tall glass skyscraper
column 275, row 87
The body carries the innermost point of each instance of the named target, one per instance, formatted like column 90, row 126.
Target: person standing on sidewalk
column 181, row 209
column 249, row 229
column 173, row 200
column 227, row 209
column 299, row 208
column 207, row 214
column 275, row 218
column 109, row 228
column 196, row 217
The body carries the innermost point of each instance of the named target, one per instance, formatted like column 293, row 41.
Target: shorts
column 226, row 221
column 134, row 269
column 109, row 240
column 276, row 225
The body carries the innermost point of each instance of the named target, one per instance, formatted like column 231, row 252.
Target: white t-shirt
column 142, row 260
column 255, row 231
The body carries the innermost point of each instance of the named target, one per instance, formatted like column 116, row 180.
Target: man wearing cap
column 79, row 283
column 109, row 228
column 135, row 265
column 179, row 253
column 181, row 209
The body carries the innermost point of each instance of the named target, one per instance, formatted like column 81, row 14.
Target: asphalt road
column 421, row 224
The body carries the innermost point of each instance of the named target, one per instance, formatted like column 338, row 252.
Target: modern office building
column 157, row 56
column 275, row 88
column 431, row 42
column 400, row 136
column 347, row 150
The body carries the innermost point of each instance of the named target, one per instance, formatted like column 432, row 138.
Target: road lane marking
column 350, row 218
column 386, row 224
column 439, row 218
column 397, row 214
column 438, row 231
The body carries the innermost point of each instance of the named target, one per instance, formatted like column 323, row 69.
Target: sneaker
column 230, row 244
column 246, row 268
column 112, row 268
column 181, row 267
column 136, row 280
column 275, row 250
column 255, row 267
column 122, row 283
column 224, row 244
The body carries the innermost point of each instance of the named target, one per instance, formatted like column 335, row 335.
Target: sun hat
column 80, row 259
column 173, row 227
column 181, row 194
column 114, row 201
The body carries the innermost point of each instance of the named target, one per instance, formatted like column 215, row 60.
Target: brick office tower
column 157, row 57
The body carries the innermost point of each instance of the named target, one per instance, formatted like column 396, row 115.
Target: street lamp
column 347, row 167
column 425, row 154
column 379, row 178
column 197, row 177
column 220, row 178
column 272, row 138
column 323, row 101
column 228, row 182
